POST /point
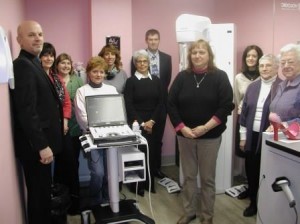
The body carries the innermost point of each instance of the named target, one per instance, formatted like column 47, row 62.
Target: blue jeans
column 98, row 183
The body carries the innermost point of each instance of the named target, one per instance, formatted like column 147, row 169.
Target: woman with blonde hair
column 200, row 99
column 95, row 70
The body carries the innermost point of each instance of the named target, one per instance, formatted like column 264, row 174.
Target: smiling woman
column 144, row 103
column 141, row 62
column 199, row 120
column 66, row 163
column 286, row 102
column 254, row 120
column 115, row 75
column 95, row 72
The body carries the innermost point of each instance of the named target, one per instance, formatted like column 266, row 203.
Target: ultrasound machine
column 108, row 129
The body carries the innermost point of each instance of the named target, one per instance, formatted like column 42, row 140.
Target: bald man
column 37, row 123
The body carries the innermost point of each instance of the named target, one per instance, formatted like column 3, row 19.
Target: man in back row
column 161, row 66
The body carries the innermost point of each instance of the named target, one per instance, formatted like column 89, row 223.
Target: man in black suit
column 160, row 65
column 37, row 123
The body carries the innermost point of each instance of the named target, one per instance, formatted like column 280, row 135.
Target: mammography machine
column 221, row 37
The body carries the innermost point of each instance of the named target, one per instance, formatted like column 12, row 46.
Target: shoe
column 250, row 211
column 159, row 174
column 75, row 205
column 292, row 132
column 243, row 195
column 141, row 192
column 186, row 219
column 208, row 221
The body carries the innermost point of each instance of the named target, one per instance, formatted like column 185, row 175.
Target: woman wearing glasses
column 286, row 103
column 144, row 101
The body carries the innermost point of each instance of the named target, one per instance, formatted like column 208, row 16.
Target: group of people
column 259, row 92
column 49, row 115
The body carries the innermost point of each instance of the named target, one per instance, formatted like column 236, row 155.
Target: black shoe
column 250, row 211
column 159, row 174
column 243, row 195
column 75, row 205
column 186, row 219
column 153, row 190
column 141, row 192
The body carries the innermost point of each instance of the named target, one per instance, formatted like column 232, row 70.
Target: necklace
column 251, row 75
column 198, row 83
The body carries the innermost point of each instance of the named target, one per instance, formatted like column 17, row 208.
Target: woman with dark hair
column 200, row 99
column 67, row 163
column 249, row 73
column 47, row 57
column 115, row 75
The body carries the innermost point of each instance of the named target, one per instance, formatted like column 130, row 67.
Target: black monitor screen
column 103, row 110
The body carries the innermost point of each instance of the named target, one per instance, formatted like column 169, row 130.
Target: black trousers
column 67, row 164
column 252, row 166
column 238, row 151
column 38, row 180
column 160, row 129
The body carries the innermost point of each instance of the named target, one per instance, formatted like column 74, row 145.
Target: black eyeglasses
column 142, row 62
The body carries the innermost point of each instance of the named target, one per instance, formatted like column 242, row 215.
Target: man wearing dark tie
column 161, row 66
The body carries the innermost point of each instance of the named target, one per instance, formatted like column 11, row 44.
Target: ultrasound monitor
column 105, row 110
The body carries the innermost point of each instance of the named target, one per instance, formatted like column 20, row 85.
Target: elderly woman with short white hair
column 254, row 121
column 144, row 101
column 286, row 103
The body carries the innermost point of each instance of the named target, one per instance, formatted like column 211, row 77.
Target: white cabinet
column 278, row 159
column 131, row 165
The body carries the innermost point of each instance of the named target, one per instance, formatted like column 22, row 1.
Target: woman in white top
column 248, row 74
column 254, row 119
column 95, row 69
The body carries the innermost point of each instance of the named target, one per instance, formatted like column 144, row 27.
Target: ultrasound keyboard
column 112, row 133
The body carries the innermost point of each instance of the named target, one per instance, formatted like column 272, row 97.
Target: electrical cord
column 149, row 175
column 258, row 214
column 296, row 213
column 259, row 186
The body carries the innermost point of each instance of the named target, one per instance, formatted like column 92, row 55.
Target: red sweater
column 67, row 106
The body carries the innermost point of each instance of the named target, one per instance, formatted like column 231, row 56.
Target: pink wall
column 10, row 205
column 112, row 18
column 66, row 24
column 9, row 8
column 286, row 25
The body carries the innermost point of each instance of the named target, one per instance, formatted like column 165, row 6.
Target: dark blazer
column 249, row 109
column 36, row 108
